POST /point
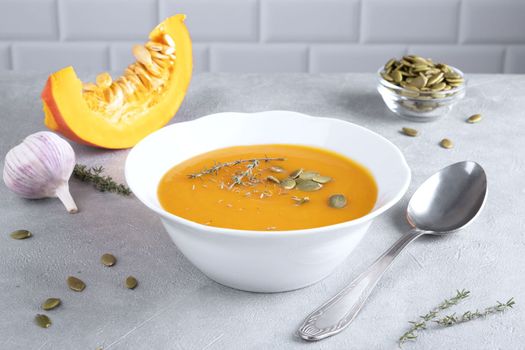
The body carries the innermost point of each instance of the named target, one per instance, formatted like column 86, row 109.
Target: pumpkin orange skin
column 67, row 112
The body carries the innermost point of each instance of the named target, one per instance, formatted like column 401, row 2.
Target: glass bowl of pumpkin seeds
column 418, row 89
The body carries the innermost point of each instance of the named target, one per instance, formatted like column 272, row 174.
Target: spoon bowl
column 449, row 200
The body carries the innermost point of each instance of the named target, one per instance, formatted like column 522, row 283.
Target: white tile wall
column 267, row 35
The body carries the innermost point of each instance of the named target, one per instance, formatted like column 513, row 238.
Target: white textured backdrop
column 267, row 35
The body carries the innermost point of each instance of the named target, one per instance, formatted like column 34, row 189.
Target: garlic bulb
column 40, row 167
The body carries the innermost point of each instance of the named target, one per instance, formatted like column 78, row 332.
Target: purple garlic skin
column 40, row 167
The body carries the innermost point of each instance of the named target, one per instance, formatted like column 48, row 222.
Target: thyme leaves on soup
column 218, row 166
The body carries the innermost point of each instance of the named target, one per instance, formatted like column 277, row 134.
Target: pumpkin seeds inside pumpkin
column 288, row 184
column 446, row 143
column 322, row 179
column 308, row 175
column 20, row 234
column 410, row 132
column 131, row 282
column 474, row 118
column 51, row 303
column 295, row 174
column 308, row 186
column 75, row 284
column 43, row 321
column 108, row 260
column 337, row 201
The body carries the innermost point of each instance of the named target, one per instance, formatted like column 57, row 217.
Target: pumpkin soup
column 268, row 187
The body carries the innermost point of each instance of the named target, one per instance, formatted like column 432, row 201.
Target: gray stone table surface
column 176, row 307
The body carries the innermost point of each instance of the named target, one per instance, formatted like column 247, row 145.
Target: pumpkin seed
column 104, row 80
column 322, row 179
column 446, row 143
column 337, row 201
column 168, row 40
column 436, row 78
column 43, row 321
column 474, row 118
column 273, row 179
column 75, row 284
column 419, row 81
column 308, row 186
column 131, row 282
column 308, row 175
column 295, row 174
column 51, row 303
column 390, row 63
column 410, row 132
column 20, row 234
column 288, row 184
column 276, row 169
column 438, row 86
column 397, row 76
column 108, row 260
column 141, row 54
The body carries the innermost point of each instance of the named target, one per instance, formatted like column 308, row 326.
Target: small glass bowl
column 420, row 106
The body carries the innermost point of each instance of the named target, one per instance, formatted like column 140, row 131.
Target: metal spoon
column 448, row 201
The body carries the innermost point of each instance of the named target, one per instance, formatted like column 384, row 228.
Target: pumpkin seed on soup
column 51, row 303
column 295, row 174
column 276, row 169
column 308, row 175
column 20, row 234
column 273, row 179
column 75, row 284
column 446, row 143
column 474, row 118
column 308, row 186
column 108, row 260
column 322, row 179
column 288, row 184
column 131, row 282
column 337, row 201
column 43, row 321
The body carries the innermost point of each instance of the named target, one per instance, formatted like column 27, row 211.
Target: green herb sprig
column 101, row 182
column 218, row 166
column 452, row 319
column 412, row 333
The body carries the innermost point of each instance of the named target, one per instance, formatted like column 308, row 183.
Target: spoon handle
column 337, row 313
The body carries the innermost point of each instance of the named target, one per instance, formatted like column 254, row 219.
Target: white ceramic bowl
column 254, row 260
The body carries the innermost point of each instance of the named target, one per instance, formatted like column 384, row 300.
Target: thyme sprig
column 412, row 333
column 103, row 183
column 218, row 166
column 452, row 319
column 248, row 173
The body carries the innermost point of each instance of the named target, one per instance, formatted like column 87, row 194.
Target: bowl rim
column 454, row 91
column 270, row 233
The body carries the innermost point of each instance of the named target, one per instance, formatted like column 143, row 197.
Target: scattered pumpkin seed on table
column 108, row 260
column 446, row 143
column 131, row 282
column 474, row 118
column 43, row 321
column 337, row 201
column 410, row 132
column 75, row 284
column 20, row 234
column 51, row 303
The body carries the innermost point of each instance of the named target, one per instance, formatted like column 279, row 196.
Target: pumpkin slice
column 118, row 113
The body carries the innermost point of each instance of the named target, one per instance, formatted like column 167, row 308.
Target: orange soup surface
column 255, row 194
